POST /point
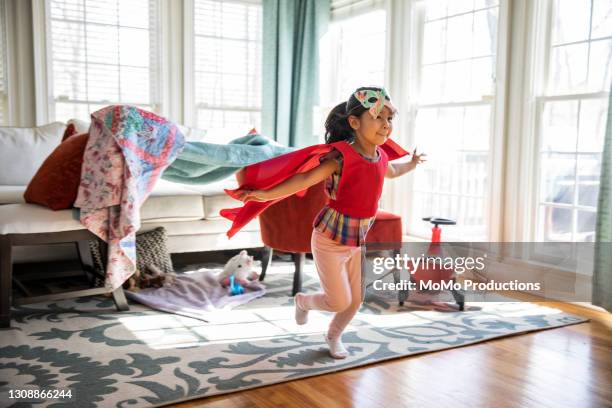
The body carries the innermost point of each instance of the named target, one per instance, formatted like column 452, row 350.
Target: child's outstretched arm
column 292, row 185
column 397, row 169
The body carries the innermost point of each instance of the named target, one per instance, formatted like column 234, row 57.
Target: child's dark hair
column 337, row 127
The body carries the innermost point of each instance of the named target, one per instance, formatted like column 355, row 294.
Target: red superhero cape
column 267, row 174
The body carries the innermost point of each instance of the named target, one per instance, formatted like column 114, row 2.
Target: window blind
column 227, row 62
column 102, row 52
column 342, row 9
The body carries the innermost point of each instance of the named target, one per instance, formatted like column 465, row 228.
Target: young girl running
column 355, row 169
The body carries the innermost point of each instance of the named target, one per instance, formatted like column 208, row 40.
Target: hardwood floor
column 565, row 367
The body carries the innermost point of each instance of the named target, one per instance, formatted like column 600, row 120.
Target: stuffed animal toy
column 241, row 267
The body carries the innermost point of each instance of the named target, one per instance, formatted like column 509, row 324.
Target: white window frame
column 544, row 21
column 43, row 69
column 401, row 190
column 530, row 55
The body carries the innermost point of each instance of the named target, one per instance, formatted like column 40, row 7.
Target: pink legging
column 339, row 268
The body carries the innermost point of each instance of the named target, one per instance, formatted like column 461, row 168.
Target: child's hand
column 245, row 195
column 417, row 158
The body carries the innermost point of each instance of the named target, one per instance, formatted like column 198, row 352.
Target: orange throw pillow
column 70, row 131
column 56, row 183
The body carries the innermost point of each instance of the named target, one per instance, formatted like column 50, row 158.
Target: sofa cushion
column 213, row 204
column 200, row 227
column 172, row 208
column 12, row 194
column 56, row 183
column 172, row 202
column 32, row 218
column 22, row 151
column 214, row 198
column 70, row 131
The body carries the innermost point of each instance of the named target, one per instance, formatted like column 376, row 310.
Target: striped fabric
column 341, row 228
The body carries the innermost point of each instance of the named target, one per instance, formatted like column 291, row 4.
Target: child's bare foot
column 301, row 315
column 336, row 348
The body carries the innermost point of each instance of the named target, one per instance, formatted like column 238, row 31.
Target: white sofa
column 189, row 213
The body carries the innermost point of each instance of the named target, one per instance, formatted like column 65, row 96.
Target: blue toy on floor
column 235, row 288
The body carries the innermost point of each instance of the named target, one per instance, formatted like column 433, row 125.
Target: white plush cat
column 241, row 266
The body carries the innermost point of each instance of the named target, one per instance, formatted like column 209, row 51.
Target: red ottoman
column 287, row 226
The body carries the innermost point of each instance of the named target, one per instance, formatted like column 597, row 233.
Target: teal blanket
column 201, row 163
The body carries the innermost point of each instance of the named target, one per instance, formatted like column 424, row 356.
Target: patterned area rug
column 146, row 358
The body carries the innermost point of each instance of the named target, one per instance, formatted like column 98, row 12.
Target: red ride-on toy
column 435, row 272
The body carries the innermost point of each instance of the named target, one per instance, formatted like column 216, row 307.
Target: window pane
column 233, row 90
column 450, row 126
column 458, row 174
column 355, row 69
column 482, row 77
column 459, row 37
column 68, row 41
column 460, row 6
column 593, row 116
column 568, row 67
column 134, row 13
column 69, row 80
column 476, row 128
column 134, row 47
column 436, row 9
column 213, row 118
column 474, row 175
column 427, row 124
column 485, row 32
column 209, row 89
column 102, row 44
column 557, row 224
column 432, row 82
column 572, row 130
column 480, row 4
column 102, row 11
column 224, row 56
column 560, row 126
column 134, row 85
column 67, row 9
column 227, row 56
column 104, row 54
column 456, row 83
column 223, row 19
column 66, row 111
column 602, row 19
column 449, row 173
column 103, row 81
column 600, row 66
column 558, row 178
column 586, row 226
column 589, row 170
column 435, row 34
column 571, row 21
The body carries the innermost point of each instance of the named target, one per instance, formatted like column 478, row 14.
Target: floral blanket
column 127, row 150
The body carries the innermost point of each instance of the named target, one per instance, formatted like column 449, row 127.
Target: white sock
column 336, row 348
column 301, row 315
